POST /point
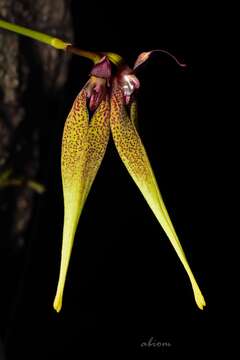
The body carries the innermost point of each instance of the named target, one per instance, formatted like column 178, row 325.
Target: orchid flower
column 110, row 100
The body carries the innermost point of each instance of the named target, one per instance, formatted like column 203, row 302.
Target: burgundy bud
column 102, row 69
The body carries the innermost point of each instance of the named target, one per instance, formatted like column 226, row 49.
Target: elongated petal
column 134, row 114
column 134, row 157
column 83, row 148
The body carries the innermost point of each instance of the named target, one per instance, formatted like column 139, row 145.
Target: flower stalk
column 36, row 35
column 49, row 40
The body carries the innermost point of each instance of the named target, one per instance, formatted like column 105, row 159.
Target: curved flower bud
column 134, row 157
column 83, row 148
column 144, row 56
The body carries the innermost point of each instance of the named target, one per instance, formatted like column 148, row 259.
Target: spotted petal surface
column 83, row 147
column 134, row 157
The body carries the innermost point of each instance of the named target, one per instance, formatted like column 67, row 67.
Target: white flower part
column 129, row 84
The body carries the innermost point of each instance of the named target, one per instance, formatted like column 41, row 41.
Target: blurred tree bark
column 32, row 75
column 29, row 72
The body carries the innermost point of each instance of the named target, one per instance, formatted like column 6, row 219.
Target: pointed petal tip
column 200, row 301
column 57, row 305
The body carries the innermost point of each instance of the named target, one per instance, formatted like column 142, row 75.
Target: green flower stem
column 39, row 188
column 36, row 35
column 49, row 40
column 87, row 54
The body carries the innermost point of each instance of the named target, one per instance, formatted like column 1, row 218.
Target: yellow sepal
column 83, row 148
column 134, row 157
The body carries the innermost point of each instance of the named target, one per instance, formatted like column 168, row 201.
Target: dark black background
column 125, row 283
